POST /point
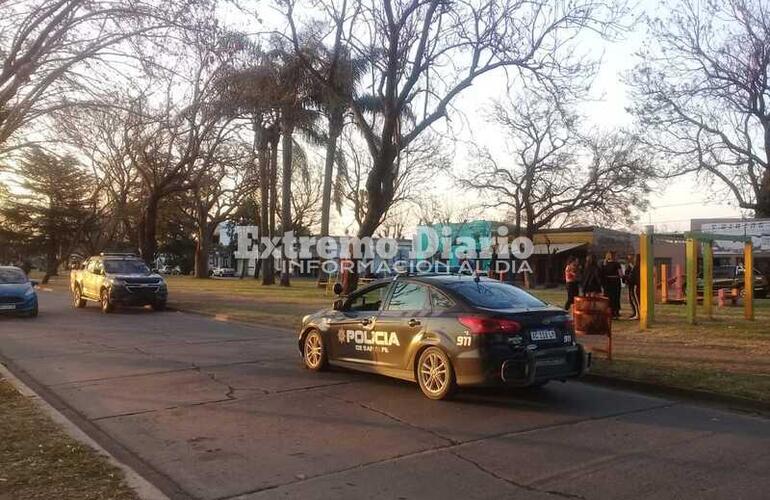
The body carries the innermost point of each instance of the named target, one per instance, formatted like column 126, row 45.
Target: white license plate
column 7, row 307
column 543, row 334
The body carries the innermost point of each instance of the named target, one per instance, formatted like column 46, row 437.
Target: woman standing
column 612, row 274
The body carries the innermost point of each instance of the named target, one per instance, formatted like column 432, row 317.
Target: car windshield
column 12, row 277
column 494, row 295
column 125, row 267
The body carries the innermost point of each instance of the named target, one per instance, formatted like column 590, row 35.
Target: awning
column 555, row 248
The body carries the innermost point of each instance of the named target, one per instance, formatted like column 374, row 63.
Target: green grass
column 728, row 355
column 39, row 461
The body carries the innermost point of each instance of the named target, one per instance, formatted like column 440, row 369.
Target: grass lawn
column 39, row 461
column 728, row 355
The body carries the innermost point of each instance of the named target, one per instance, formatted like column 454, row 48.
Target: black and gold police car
column 445, row 331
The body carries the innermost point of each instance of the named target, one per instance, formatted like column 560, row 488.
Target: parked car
column 17, row 292
column 732, row 277
column 223, row 272
column 444, row 331
column 170, row 270
column 117, row 279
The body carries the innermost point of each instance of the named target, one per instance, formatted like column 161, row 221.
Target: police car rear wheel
column 314, row 351
column 435, row 374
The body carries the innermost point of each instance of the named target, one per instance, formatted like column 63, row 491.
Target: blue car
column 17, row 292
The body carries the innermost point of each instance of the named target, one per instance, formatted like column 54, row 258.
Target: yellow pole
column 645, row 281
column 708, row 280
column 664, row 283
column 691, row 256
column 748, row 281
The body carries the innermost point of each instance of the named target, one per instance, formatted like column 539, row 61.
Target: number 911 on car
column 445, row 332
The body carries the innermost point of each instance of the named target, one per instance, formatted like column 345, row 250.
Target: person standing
column 571, row 279
column 633, row 282
column 592, row 279
column 612, row 274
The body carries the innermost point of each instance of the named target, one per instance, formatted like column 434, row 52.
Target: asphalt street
column 216, row 410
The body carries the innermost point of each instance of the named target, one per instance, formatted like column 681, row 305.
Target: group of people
column 604, row 278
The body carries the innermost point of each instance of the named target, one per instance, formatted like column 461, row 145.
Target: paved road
column 215, row 410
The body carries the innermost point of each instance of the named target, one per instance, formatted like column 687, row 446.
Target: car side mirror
column 337, row 288
column 34, row 283
column 338, row 304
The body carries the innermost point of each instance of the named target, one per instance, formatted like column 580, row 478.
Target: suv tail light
column 477, row 324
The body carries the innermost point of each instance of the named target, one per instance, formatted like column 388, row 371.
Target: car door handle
column 413, row 322
column 366, row 321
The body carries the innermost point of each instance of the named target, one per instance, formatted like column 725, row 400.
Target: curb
column 143, row 488
column 86, row 432
column 736, row 403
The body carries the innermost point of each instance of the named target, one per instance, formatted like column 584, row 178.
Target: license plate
column 7, row 307
column 543, row 334
column 550, row 362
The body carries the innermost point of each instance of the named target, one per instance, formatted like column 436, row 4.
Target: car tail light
column 478, row 324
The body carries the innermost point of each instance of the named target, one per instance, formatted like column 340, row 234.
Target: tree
column 702, row 95
column 216, row 194
column 424, row 53
column 553, row 176
column 49, row 211
column 53, row 52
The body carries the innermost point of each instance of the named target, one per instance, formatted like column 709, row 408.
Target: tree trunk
column 286, row 200
column 263, row 158
column 202, row 250
column 763, row 197
column 51, row 261
column 335, row 128
column 148, row 244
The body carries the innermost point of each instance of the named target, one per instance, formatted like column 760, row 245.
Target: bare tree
column 218, row 191
column 415, row 170
column 424, row 53
column 48, row 49
column 553, row 176
column 703, row 99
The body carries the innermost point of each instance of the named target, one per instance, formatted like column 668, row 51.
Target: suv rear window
column 494, row 295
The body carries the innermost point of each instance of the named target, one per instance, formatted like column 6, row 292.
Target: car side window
column 408, row 297
column 440, row 301
column 370, row 300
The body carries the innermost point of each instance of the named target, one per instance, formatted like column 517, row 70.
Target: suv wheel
column 77, row 298
column 107, row 306
column 435, row 374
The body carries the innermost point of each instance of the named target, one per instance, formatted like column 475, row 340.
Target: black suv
column 117, row 279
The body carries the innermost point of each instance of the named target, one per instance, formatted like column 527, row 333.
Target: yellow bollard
column 646, row 299
column 748, row 281
column 691, row 269
column 708, row 280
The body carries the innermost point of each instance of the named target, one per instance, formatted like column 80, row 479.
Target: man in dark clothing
column 633, row 282
column 612, row 274
column 592, row 279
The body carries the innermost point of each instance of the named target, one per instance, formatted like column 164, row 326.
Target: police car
column 445, row 331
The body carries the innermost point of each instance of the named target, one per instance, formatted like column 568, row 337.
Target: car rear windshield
column 125, row 267
column 494, row 295
column 12, row 277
